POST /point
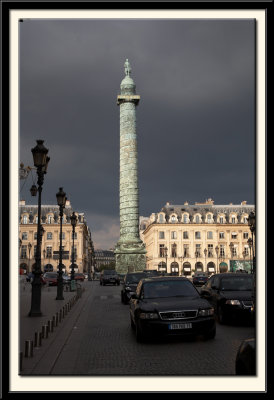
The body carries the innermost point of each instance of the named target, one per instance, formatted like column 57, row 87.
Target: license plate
column 180, row 326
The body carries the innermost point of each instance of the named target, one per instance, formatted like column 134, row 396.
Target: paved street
column 95, row 338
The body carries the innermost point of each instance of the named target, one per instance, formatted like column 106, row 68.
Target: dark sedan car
column 199, row 279
column 51, row 278
column 130, row 283
column 231, row 295
column 109, row 276
column 164, row 306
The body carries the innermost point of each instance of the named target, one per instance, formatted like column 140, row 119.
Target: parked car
column 109, row 276
column 170, row 306
column 66, row 279
column 79, row 277
column 51, row 278
column 245, row 363
column 130, row 283
column 231, row 295
column 199, row 278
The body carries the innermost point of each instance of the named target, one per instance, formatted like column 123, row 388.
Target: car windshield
column 110, row 272
column 237, row 283
column 134, row 278
column 170, row 288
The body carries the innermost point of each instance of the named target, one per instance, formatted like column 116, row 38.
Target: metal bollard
column 37, row 339
column 57, row 318
column 45, row 331
column 20, row 361
column 53, row 320
column 50, row 326
column 28, row 348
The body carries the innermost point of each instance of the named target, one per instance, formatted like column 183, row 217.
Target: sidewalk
column 62, row 310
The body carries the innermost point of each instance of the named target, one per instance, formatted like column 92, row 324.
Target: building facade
column 104, row 257
column 183, row 239
column 50, row 246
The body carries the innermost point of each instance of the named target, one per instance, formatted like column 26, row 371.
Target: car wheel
column 211, row 334
column 220, row 315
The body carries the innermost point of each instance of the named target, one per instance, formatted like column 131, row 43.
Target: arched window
column 197, row 219
column 185, row 218
column 50, row 219
column 161, row 218
column 25, row 219
column 173, row 218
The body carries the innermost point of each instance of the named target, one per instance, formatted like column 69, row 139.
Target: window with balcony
column 186, row 250
column 210, row 235
column 245, row 235
column 162, row 250
column 49, row 252
column 24, row 251
column 234, row 235
column 174, row 250
column 221, row 235
column 185, row 235
column 210, row 250
column 222, row 250
column 198, row 250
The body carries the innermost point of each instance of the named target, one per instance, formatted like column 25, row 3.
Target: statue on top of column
column 127, row 68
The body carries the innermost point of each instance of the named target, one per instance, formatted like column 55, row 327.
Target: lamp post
column 29, row 247
column 165, row 253
column 61, row 201
column 205, row 253
column 73, row 220
column 217, row 253
column 231, row 246
column 250, row 253
column 252, row 225
column 196, row 256
column 41, row 161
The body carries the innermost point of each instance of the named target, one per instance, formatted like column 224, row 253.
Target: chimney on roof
column 243, row 203
column 67, row 203
column 22, row 202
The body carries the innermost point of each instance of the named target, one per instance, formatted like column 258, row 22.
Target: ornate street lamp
column 73, row 220
column 165, row 253
column 33, row 190
column 250, row 245
column 205, row 253
column 41, row 161
column 217, row 253
column 29, row 247
column 252, row 225
column 61, row 201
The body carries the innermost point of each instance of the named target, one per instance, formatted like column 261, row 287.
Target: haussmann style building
column 50, row 221
column 183, row 239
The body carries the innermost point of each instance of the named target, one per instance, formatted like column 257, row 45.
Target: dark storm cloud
column 195, row 121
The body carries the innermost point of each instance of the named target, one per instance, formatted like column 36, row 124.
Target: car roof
column 165, row 278
column 232, row 274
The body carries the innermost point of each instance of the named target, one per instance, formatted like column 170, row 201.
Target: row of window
column 234, row 235
column 47, row 252
column 48, row 236
column 198, row 219
column 207, row 252
column 50, row 219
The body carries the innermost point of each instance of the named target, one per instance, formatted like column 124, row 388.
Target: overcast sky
column 195, row 119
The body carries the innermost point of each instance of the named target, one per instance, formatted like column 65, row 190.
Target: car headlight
column 148, row 316
column 233, row 302
column 128, row 288
column 206, row 312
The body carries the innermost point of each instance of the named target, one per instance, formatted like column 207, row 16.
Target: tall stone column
column 130, row 250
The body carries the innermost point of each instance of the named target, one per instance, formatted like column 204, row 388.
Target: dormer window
column 197, row 219
column 161, row 218
column 25, row 219
column 173, row 218
column 185, row 218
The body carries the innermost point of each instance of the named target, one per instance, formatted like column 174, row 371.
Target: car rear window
column 110, row 272
column 237, row 283
column 134, row 278
column 172, row 288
